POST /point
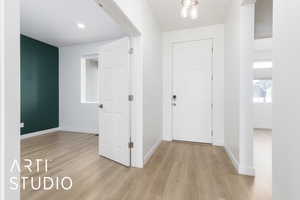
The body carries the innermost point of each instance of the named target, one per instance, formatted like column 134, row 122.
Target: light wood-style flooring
column 177, row 171
column 263, row 163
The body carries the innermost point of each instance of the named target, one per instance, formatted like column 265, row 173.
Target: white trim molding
column 9, row 95
column 43, row 132
column 217, row 142
column 246, row 136
column 215, row 33
column 232, row 158
column 151, row 152
column 246, row 170
column 77, row 130
column 243, row 170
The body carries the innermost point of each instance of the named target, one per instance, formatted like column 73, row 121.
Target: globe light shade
column 194, row 13
column 184, row 12
column 186, row 3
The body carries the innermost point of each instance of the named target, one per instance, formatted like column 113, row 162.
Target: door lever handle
column 101, row 106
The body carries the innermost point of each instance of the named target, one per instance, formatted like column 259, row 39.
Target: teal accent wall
column 39, row 85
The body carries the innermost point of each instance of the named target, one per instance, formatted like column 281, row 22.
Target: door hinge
column 99, row 3
column 130, row 145
column 130, row 97
column 212, row 77
column 131, row 51
column 212, row 106
column 212, row 50
column 212, row 133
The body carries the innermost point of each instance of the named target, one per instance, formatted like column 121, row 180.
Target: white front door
column 114, row 108
column 192, row 96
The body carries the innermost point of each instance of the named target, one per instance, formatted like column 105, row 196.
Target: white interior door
column 114, row 108
column 192, row 96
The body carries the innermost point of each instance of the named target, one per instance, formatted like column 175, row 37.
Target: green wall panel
column 39, row 85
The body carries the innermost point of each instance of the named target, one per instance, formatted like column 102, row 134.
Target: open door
column 114, row 107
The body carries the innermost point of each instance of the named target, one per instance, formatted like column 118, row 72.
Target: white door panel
column 192, row 71
column 114, row 89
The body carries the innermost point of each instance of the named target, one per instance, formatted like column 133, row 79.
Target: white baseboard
column 168, row 139
column 232, row 158
column 249, row 171
column 33, row 134
column 218, row 143
column 263, row 129
column 151, row 152
column 78, row 130
column 243, row 170
column 215, row 142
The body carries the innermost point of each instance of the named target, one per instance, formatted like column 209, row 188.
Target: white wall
column 286, row 104
column 232, row 79
column 263, row 18
column 263, row 49
column 139, row 14
column 9, row 95
column 216, row 33
column 74, row 115
column 239, row 45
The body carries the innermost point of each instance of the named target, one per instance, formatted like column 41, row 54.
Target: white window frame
column 264, row 102
column 83, row 78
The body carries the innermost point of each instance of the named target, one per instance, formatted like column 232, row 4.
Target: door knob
column 101, row 106
column 174, row 97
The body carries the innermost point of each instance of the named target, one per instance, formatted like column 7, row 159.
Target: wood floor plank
column 177, row 171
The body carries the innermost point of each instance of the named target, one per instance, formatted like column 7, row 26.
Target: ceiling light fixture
column 80, row 25
column 189, row 9
column 186, row 3
column 184, row 12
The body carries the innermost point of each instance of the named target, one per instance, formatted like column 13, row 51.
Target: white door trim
column 136, row 106
column 9, row 95
column 215, row 32
column 211, row 82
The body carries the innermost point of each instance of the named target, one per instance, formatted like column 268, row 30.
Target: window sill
column 89, row 102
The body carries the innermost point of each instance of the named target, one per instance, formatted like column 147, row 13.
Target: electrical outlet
column 22, row 125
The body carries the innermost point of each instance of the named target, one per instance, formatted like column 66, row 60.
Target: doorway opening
column 262, row 94
column 262, row 123
column 64, row 66
column 262, row 113
column 78, row 81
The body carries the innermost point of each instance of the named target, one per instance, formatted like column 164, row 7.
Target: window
column 89, row 79
column 262, row 91
column 263, row 65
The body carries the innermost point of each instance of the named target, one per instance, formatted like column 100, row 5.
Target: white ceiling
column 55, row 22
column 168, row 13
